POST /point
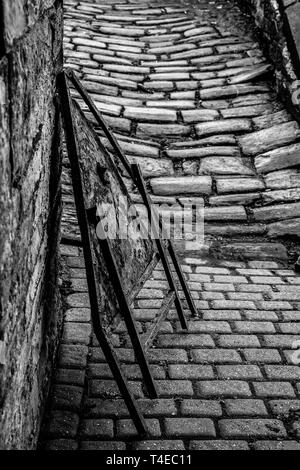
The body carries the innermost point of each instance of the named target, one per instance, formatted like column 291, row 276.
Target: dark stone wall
column 30, row 58
column 278, row 23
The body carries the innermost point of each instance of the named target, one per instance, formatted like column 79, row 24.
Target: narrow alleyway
column 190, row 96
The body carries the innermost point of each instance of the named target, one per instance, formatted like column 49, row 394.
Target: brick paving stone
column 282, row 372
column 218, row 286
column 274, row 305
column 77, row 333
column 260, row 315
column 189, row 427
column 104, row 408
column 218, row 445
column 93, row 428
column 223, row 388
column 163, row 129
column 78, row 300
column 234, row 304
column 221, row 315
column 78, row 315
column 248, row 407
column 199, row 277
column 266, row 280
column 262, row 355
column 290, row 316
column 215, row 356
column 276, row 445
column 238, row 341
column 243, row 372
column 280, row 341
column 185, row 341
column 70, row 376
column 63, row 423
column 251, row 428
column 284, row 407
column 254, row 272
column 159, row 445
column 125, row 428
column 169, row 355
column 109, row 388
column 102, row 445
column 226, row 126
column 239, row 185
column 178, row 185
column 67, row 397
column 209, row 327
column 61, row 444
column 150, row 303
column 196, row 407
column 254, row 327
column 73, row 356
column 292, row 328
column 174, row 387
column 190, row 371
column 79, row 284
column 245, row 296
column 158, row 407
column 150, row 114
column 199, row 115
column 230, row 279
column 273, row 389
column 262, row 288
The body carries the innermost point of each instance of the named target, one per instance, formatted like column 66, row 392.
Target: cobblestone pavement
column 189, row 94
column 229, row 383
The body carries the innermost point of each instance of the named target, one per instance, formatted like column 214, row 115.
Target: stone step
column 224, row 166
column 231, row 230
column 231, row 199
column 159, row 130
column 277, row 159
column 289, row 228
column 250, row 75
column 231, row 91
column 277, row 212
column 199, row 115
column 237, row 185
column 269, row 139
column 225, row 213
column 283, row 179
column 281, row 195
column 181, row 185
column 223, row 126
column 200, row 152
column 150, row 114
column 255, row 251
column 153, row 167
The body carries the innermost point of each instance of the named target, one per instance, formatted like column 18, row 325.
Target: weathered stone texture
column 29, row 214
column 20, row 15
column 278, row 22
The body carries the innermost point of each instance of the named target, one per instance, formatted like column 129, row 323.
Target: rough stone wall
column 278, row 22
column 30, row 58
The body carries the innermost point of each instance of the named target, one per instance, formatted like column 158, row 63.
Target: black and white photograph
column 150, row 228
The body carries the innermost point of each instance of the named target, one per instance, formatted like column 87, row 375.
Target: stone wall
column 278, row 23
column 30, row 58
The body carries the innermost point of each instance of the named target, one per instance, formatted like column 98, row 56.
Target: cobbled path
column 189, row 94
